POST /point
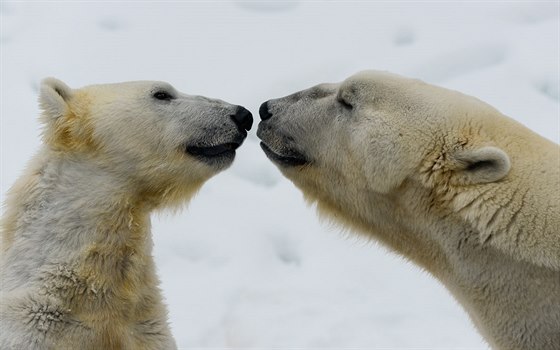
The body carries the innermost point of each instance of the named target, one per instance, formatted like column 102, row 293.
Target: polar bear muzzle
column 278, row 146
column 223, row 149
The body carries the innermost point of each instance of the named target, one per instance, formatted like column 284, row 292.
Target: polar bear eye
column 344, row 103
column 162, row 96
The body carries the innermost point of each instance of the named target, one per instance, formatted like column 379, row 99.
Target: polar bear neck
column 65, row 214
column 77, row 250
column 492, row 285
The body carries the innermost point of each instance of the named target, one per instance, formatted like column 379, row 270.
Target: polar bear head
column 380, row 151
column 363, row 147
column 145, row 133
column 374, row 130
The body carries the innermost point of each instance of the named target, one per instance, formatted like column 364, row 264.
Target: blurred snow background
column 249, row 265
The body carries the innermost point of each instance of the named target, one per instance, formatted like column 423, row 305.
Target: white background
column 248, row 264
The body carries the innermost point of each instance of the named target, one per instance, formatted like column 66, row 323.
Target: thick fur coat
column 442, row 178
column 76, row 262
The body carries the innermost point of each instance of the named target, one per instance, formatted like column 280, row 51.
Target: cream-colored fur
column 442, row 178
column 76, row 262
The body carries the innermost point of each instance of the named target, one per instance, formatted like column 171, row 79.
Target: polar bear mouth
column 225, row 150
column 289, row 158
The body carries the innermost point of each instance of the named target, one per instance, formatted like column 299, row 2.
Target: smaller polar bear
column 442, row 178
column 76, row 270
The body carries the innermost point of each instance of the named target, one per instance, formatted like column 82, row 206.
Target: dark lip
column 215, row 152
column 293, row 159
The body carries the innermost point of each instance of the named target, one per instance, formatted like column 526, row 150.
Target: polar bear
column 76, row 267
column 443, row 179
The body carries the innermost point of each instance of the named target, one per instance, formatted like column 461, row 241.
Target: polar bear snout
column 217, row 145
column 278, row 143
column 214, row 130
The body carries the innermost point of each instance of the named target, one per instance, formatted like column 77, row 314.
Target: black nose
column 264, row 112
column 243, row 118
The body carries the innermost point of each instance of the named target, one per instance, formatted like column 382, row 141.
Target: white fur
column 445, row 180
column 76, row 268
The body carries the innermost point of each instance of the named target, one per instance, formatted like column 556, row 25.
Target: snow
column 249, row 264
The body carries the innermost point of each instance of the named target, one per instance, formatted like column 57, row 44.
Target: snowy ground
column 248, row 264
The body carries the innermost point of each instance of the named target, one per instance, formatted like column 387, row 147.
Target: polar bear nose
column 264, row 112
column 242, row 118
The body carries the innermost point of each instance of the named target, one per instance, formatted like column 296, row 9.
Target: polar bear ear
column 480, row 165
column 54, row 97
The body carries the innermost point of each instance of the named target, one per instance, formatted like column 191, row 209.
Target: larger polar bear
column 442, row 178
column 76, row 270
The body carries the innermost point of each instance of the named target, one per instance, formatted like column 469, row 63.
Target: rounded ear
column 53, row 98
column 481, row 165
